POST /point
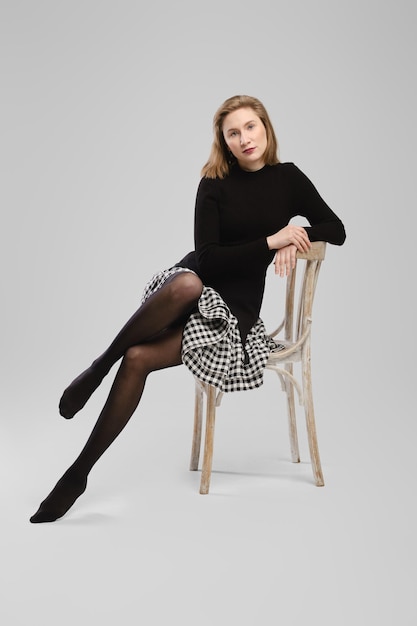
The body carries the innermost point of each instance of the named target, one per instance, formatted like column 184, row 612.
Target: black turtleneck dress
column 233, row 218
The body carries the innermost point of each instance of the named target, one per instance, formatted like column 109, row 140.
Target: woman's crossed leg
column 125, row 394
column 169, row 305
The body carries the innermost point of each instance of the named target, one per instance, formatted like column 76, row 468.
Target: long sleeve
column 307, row 202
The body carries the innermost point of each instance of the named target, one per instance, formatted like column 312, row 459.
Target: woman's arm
column 307, row 202
column 324, row 223
column 214, row 258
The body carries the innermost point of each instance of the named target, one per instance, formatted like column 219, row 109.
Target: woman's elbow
column 342, row 236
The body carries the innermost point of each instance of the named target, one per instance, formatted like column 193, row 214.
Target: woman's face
column 245, row 136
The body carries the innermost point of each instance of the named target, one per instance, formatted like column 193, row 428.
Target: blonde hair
column 220, row 160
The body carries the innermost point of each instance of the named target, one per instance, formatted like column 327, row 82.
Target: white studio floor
column 266, row 546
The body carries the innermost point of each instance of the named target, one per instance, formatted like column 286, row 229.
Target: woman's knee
column 141, row 360
column 134, row 359
column 186, row 288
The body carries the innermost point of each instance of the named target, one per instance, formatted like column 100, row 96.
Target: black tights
column 150, row 340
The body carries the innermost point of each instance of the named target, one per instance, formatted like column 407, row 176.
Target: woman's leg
column 124, row 397
column 163, row 309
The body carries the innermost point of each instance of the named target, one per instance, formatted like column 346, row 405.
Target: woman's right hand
column 291, row 234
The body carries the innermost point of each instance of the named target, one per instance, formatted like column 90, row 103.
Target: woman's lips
column 248, row 151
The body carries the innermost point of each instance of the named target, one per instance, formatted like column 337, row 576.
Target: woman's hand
column 285, row 260
column 290, row 235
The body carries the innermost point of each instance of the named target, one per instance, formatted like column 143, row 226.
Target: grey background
column 105, row 124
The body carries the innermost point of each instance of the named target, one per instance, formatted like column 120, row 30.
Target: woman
column 204, row 311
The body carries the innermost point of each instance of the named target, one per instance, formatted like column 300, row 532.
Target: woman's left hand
column 285, row 259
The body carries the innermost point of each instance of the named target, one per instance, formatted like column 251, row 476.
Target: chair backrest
column 300, row 295
column 313, row 259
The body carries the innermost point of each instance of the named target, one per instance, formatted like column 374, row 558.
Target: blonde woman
column 204, row 311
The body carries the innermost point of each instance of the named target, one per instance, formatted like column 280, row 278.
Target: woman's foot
column 79, row 391
column 61, row 498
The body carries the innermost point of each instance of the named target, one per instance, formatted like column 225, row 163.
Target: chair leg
column 209, row 440
column 292, row 424
column 310, row 420
column 198, row 421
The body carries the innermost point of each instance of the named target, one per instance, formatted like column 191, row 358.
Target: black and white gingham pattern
column 211, row 344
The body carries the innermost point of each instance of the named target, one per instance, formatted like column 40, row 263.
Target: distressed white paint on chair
column 296, row 339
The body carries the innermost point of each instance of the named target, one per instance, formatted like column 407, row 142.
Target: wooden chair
column 296, row 340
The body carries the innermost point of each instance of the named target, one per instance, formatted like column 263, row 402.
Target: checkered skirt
column 211, row 345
